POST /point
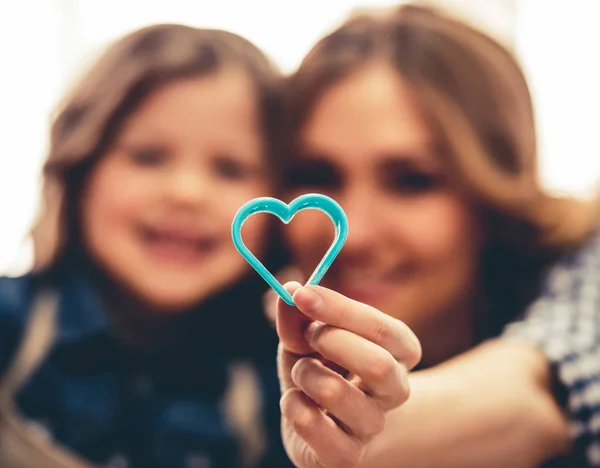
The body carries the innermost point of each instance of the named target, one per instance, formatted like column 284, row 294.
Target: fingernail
column 292, row 286
column 308, row 299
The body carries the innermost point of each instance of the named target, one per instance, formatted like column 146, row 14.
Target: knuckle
column 379, row 331
column 402, row 394
column 379, row 423
column 300, row 370
column 399, row 398
column 322, row 335
column 371, row 423
column 332, row 393
column 384, row 367
column 415, row 352
column 304, row 421
column 374, row 425
column 288, row 403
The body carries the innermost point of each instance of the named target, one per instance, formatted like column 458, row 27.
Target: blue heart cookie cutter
column 286, row 213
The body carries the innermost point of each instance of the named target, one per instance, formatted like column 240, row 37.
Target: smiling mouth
column 177, row 245
column 367, row 287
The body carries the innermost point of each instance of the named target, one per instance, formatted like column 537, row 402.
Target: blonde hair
column 476, row 100
column 90, row 115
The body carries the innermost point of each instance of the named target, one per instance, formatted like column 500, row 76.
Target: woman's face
column 157, row 211
column 413, row 243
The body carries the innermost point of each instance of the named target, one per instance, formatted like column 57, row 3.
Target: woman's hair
column 90, row 116
column 476, row 101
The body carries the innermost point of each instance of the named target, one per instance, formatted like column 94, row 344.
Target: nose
column 364, row 224
column 188, row 187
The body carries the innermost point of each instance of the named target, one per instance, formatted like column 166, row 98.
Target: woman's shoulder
column 579, row 267
column 570, row 290
column 588, row 251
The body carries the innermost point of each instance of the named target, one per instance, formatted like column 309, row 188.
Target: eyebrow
column 426, row 153
column 408, row 163
column 425, row 157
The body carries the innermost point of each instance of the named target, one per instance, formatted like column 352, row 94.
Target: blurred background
column 45, row 43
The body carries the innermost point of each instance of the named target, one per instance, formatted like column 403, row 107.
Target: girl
column 115, row 349
column 423, row 129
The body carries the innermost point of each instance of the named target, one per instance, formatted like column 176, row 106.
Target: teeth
column 177, row 242
column 181, row 242
column 173, row 241
column 361, row 275
column 180, row 245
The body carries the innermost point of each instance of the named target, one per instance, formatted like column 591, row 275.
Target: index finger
column 327, row 306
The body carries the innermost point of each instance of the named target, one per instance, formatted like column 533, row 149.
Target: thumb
column 269, row 300
column 291, row 324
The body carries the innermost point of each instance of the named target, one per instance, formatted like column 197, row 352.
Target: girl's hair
column 475, row 99
column 90, row 116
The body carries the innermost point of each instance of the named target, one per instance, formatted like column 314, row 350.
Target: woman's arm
column 493, row 406
column 489, row 407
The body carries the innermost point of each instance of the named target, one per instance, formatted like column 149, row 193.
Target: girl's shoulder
column 16, row 294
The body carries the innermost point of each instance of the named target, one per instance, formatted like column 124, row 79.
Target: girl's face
column 413, row 243
column 157, row 211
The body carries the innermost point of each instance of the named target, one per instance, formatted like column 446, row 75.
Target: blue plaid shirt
column 564, row 322
column 111, row 404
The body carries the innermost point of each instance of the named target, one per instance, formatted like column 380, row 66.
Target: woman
column 423, row 129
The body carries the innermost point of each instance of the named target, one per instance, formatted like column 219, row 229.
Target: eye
column 413, row 182
column 147, row 156
column 405, row 177
column 314, row 174
column 231, row 167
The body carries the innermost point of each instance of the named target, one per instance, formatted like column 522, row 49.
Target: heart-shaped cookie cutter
column 286, row 213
